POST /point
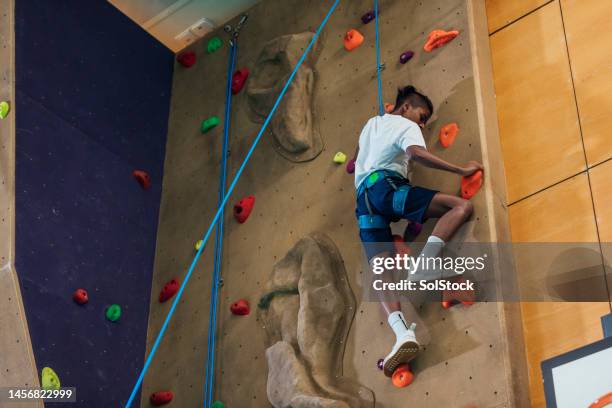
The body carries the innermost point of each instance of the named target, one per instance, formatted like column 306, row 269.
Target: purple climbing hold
column 414, row 228
column 367, row 17
column 406, row 56
column 380, row 364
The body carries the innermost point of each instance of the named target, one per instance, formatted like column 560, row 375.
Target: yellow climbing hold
column 49, row 380
column 4, row 109
column 198, row 245
column 339, row 158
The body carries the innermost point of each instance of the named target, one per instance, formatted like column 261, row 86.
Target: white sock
column 432, row 249
column 398, row 324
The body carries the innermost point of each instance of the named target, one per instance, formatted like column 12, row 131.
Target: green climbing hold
column 4, row 109
column 209, row 123
column 218, row 404
column 214, row 44
column 113, row 313
column 49, row 380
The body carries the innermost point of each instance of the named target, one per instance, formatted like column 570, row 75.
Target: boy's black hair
column 414, row 98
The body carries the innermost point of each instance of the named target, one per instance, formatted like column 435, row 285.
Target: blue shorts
column 380, row 196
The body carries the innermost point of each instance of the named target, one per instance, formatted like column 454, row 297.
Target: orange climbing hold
column 243, row 208
column 352, row 39
column 448, row 134
column 400, row 245
column 389, row 107
column 438, row 38
column 402, row 376
column 471, row 184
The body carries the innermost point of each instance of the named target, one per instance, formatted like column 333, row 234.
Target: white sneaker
column 405, row 349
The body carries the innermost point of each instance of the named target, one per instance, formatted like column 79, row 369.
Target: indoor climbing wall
column 467, row 359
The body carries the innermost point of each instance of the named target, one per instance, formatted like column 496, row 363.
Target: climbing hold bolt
column 80, row 296
column 213, row 45
column 471, row 184
column 187, row 58
column 402, row 376
column 239, row 79
column 209, row 123
column 49, row 379
column 406, row 56
column 240, row 307
column 143, row 178
column 113, row 312
column 448, row 134
column 339, row 158
column 352, row 39
column 159, row 398
column 368, row 17
column 169, row 289
column 243, row 208
column 438, row 38
column 4, row 109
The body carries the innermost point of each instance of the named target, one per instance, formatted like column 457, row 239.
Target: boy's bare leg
column 451, row 212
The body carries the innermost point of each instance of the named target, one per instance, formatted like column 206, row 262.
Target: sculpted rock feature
column 306, row 332
column 292, row 125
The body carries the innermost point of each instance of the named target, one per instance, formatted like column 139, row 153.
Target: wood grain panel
column 602, row 198
column 588, row 26
column 502, row 12
column 538, row 122
column 562, row 213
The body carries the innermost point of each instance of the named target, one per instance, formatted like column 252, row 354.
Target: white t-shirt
column 383, row 143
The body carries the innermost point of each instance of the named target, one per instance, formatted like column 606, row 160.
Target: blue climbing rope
column 218, row 255
column 378, row 67
column 215, row 219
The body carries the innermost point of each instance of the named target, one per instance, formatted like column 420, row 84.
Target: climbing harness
column 400, row 195
column 219, row 211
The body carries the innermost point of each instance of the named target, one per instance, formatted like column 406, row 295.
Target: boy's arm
column 422, row 156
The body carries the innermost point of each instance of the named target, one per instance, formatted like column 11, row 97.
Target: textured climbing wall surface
column 17, row 367
column 466, row 360
column 92, row 96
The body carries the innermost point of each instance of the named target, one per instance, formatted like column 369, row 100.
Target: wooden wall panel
column 588, row 26
column 537, row 115
column 502, row 12
column 601, row 185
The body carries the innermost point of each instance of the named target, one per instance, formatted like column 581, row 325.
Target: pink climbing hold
column 169, row 290
column 143, row 178
column 414, row 228
column 350, row 166
column 186, row 59
column 243, row 208
column 239, row 79
column 240, row 307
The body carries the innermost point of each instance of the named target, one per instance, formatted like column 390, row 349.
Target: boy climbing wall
column 387, row 144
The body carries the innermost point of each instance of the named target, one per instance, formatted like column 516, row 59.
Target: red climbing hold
column 169, row 290
column 438, row 38
column 80, row 296
column 240, row 307
column 400, row 245
column 448, row 134
column 402, row 376
column 352, row 39
column 161, row 398
column 143, row 178
column 454, row 297
column 243, row 208
column 471, row 184
column 186, row 59
column 239, row 79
